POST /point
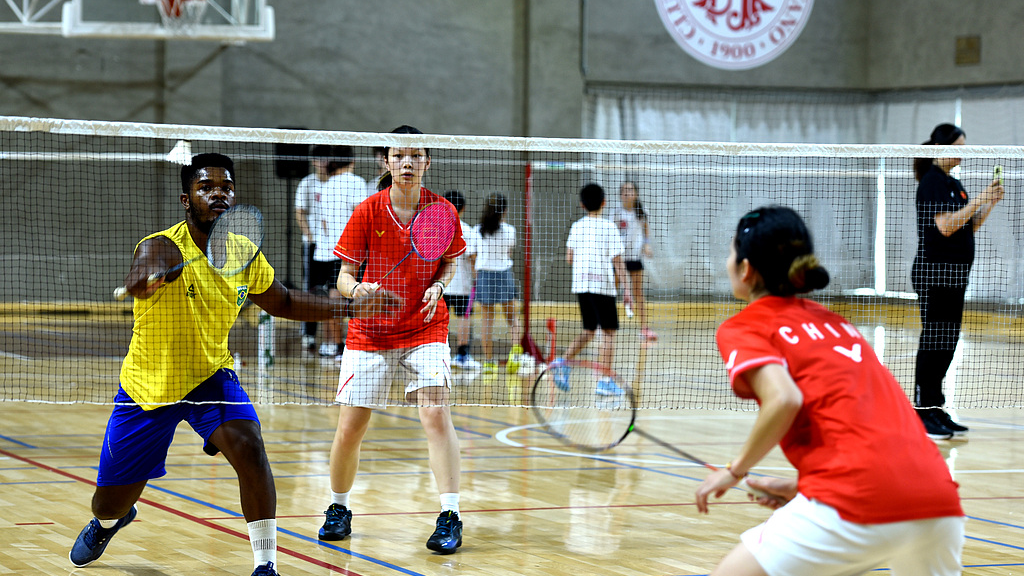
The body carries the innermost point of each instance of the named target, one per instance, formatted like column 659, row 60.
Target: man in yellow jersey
column 178, row 368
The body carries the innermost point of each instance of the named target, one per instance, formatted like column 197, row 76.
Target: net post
column 527, row 257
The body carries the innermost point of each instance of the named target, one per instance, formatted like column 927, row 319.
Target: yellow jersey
column 180, row 334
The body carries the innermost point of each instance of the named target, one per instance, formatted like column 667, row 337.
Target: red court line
column 196, row 519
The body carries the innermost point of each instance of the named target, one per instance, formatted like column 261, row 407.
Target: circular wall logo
column 734, row 34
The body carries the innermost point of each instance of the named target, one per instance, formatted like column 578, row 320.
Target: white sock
column 108, row 524
column 340, row 498
column 263, row 537
column 450, row 501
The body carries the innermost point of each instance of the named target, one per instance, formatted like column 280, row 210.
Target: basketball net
column 181, row 15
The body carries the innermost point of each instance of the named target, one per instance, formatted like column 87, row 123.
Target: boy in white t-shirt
column 594, row 249
column 457, row 294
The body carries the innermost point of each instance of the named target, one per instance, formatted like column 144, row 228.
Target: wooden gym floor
column 530, row 506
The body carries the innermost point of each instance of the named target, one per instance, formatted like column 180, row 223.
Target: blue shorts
column 495, row 287
column 136, row 442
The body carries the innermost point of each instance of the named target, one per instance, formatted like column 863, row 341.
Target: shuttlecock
column 181, row 153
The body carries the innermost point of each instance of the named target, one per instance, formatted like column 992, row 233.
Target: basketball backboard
column 231, row 21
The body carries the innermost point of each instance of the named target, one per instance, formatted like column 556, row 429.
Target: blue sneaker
column 93, row 540
column 607, row 387
column 265, row 570
column 448, row 534
column 560, row 373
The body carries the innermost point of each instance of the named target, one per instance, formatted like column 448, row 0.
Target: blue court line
column 337, row 548
column 41, row 482
column 19, row 443
column 237, row 514
column 994, row 543
column 1008, row 525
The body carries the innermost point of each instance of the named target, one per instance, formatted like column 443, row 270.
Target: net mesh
column 82, row 194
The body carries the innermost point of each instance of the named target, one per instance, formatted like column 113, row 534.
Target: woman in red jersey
column 410, row 346
column 871, row 488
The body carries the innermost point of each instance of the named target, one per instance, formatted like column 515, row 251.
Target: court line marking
column 503, row 437
column 201, row 521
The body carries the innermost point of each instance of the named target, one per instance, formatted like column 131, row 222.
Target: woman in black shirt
column 946, row 223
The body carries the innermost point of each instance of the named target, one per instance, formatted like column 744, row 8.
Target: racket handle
column 751, row 490
column 121, row 292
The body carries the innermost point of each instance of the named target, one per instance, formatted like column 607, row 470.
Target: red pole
column 527, row 343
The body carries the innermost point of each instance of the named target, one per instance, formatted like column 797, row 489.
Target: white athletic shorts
column 808, row 538
column 366, row 376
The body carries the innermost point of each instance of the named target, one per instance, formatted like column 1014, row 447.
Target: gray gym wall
column 504, row 67
column 499, row 67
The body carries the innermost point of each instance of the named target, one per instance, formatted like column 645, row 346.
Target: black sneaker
column 338, row 524
column 448, row 534
column 943, row 417
column 93, row 540
column 265, row 570
column 933, row 426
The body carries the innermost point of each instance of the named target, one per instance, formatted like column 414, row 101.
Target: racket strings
column 235, row 239
column 432, row 231
column 572, row 410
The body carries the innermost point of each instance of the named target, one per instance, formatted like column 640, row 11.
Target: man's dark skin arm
column 298, row 305
column 156, row 255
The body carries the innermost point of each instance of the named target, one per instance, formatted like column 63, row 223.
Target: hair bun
column 816, row 278
column 807, row 274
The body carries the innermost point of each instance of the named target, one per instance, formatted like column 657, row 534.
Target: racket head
column 235, row 239
column 572, row 410
column 432, row 230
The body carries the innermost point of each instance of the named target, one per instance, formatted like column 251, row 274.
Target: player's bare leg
column 606, row 356
column 443, row 448
column 486, row 328
column 739, row 562
column 344, row 463
column 110, row 502
column 579, row 343
column 242, row 445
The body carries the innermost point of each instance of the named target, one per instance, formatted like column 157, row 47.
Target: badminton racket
column 431, row 233
column 589, row 408
column 234, row 242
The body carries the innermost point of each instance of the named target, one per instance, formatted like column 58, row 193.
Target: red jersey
column 376, row 236
column 857, row 442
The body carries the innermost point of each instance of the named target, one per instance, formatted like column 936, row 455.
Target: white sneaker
column 308, row 342
column 465, row 362
column 328, row 349
column 469, row 363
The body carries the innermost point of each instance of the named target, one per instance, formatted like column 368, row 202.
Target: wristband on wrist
column 733, row 472
column 441, row 284
column 353, row 293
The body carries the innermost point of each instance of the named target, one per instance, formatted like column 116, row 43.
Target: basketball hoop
column 181, row 15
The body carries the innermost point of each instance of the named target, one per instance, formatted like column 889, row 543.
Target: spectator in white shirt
column 594, row 249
